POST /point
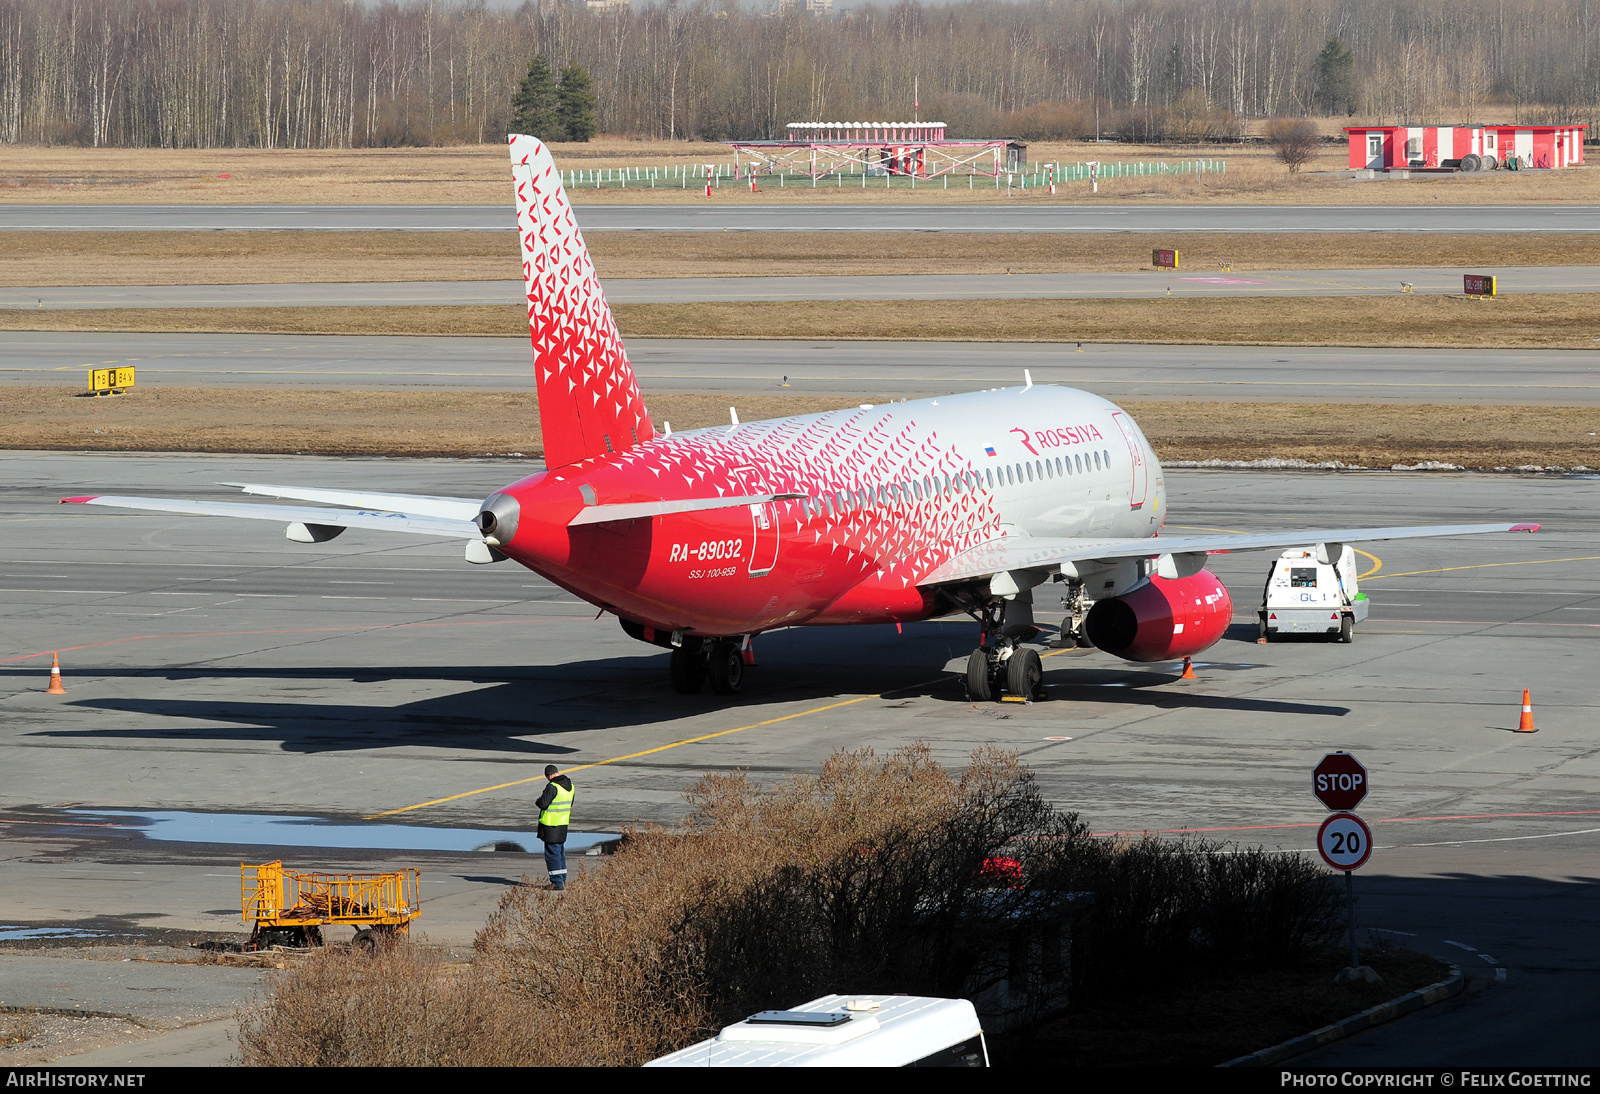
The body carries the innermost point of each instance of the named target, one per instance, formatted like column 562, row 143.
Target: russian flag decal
column 989, row 450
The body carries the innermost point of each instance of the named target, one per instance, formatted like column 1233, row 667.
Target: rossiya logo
column 1058, row 438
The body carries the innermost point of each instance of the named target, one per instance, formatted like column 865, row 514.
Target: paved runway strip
column 844, row 369
column 672, row 290
column 823, row 216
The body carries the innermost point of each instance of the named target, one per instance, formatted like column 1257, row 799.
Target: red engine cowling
column 1161, row 620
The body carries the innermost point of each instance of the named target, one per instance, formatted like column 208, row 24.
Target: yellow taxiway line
column 1488, row 565
column 629, row 756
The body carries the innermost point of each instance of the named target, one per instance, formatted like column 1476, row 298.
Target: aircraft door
column 1140, row 484
column 763, row 520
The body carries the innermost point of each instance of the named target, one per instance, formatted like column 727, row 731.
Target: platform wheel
column 1347, row 628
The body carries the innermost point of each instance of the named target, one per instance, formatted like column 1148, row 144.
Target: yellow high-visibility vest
column 559, row 811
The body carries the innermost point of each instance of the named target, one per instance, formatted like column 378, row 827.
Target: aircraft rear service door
column 1141, row 468
column 764, row 523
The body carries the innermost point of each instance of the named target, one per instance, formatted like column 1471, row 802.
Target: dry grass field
column 391, row 423
column 1549, row 320
column 227, row 258
column 477, row 174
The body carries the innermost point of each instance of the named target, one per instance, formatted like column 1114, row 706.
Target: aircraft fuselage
column 890, row 493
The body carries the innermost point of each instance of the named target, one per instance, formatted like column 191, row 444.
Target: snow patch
column 1426, row 465
column 1271, row 464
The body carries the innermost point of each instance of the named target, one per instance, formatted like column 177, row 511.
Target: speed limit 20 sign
column 1344, row 841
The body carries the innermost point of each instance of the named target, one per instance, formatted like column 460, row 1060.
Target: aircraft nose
column 498, row 519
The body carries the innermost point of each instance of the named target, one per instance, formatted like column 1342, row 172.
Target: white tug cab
column 1312, row 590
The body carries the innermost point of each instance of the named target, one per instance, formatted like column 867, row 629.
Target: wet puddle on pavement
column 271, row 830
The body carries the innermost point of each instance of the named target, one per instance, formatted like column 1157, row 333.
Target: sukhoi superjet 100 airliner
column 698, row 541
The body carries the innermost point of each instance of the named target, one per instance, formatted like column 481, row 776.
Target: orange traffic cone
column 55, row 677
column 1188, row 670
column 1525, row 723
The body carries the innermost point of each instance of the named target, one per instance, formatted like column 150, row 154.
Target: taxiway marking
column 631, row 755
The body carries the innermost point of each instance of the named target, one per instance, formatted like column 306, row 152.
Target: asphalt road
column 675, row 290
column 786, row 217
column 849, row 370
column 216, row 667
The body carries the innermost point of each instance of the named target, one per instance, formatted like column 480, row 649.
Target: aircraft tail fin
column 589, row 400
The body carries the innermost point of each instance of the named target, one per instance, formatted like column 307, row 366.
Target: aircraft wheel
column 688, row 670
column 978, row 688
column 727, row 668
column 1024, row 674
column 1347, row 629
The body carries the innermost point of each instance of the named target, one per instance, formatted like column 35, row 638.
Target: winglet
column 1523, row 528
column 79, row 500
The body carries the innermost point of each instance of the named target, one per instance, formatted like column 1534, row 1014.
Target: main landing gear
column 1007, row 667
column 1002, row 663
column 723, row 661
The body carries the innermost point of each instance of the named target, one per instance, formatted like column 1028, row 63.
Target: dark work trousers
column 555, row 864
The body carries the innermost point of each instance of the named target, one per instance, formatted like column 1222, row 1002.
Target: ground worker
column 555, row 810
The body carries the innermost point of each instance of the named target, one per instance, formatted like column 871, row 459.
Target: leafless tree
column 327, row 73
column 1294, row 140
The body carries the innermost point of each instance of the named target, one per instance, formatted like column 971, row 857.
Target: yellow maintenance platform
column 290, row 908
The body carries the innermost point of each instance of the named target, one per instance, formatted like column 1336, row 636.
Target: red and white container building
column 1397, row 147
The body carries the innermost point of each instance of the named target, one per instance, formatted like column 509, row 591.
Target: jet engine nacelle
column 1162, row 619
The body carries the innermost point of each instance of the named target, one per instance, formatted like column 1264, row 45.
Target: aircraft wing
column 417, row 523
column 1036, row 553
column 421, row 505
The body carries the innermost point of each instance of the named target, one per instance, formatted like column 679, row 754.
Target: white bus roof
column 900, row 1030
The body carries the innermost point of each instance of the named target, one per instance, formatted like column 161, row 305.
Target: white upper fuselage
column 1050, row 461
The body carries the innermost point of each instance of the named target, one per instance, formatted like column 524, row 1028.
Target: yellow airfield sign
column 102, row 380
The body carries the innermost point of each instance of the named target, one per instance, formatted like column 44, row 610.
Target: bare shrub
column 1164, row 908
column 1194, row 117
column 1052, row 121
column 1295, row 141
column 878, row 874
column 865, row 877
column 400, row 1006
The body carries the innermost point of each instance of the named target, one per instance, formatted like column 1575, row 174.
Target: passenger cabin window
column 1302, row 577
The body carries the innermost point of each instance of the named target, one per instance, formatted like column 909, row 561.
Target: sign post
column 1344, row 841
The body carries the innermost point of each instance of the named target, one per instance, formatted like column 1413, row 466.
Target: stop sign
column 1339, row 781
